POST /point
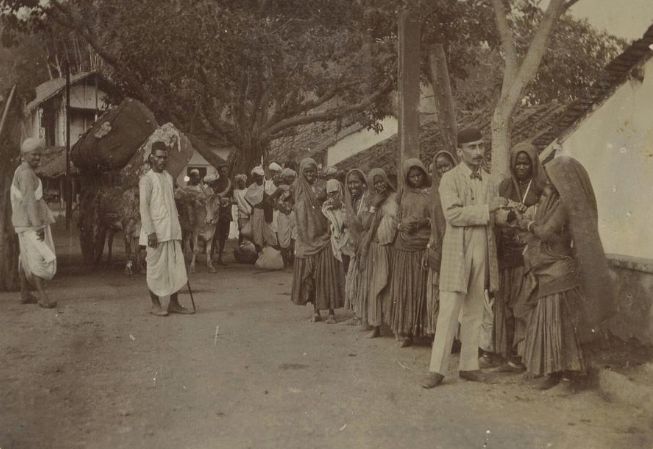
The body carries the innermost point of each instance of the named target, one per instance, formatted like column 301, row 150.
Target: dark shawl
column 576, row 192
column 312, row 225
column 354, row 212
column 369, row 234
column 415, row 203
column 509, row 249
column 438, row 222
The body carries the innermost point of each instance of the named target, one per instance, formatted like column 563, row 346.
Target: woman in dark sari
column 356, row 204
column 565, row 255
column 512, row 308
column 410, row 270
column 374, row 256
column 443, row 161
column 318, row 276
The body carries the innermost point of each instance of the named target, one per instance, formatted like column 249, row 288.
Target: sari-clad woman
column 318, row 276
column 565, row 254
column 374, row 256
column 443, row 161
column 333, row 209
column 511, row 307
column 356, row 204
column 409, row 266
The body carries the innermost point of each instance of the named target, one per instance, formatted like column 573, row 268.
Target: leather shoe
column 432, row 380
column 474, row 376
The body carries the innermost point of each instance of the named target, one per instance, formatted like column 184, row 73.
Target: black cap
column 469, row 135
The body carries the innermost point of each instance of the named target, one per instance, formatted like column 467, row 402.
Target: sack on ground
column 270, row 259
column 246, row 230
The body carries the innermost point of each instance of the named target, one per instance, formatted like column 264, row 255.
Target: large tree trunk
column 501, row 142
column 11, row 134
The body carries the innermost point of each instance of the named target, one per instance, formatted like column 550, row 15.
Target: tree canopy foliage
column 242, row 73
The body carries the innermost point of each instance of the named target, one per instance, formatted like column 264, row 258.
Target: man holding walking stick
column 161, row 232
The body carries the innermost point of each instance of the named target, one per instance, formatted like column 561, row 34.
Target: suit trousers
column 472, row 304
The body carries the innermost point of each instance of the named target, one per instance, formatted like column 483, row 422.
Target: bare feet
column 406, row 342
column 376, row 332
column 29, row 299
column 353, row 321
column 548, row 382
column 316, row 318
column 331, row 319
column 178, row 308
column 47, row 304
column 158, row 311
column 432, row 380
column 564, row 388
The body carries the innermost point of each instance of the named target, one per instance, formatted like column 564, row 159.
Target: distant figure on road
column 31, row 219
column 161, row 232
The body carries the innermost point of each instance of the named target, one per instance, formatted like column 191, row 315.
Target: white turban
column 275, row 167
column 30, row 144
column 258, row 170
column 194, row 172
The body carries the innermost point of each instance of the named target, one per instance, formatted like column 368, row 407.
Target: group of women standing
column 384, row 260
column 380, row 258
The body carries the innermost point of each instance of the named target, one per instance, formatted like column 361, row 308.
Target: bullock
column 118, row 211
column 198, row 216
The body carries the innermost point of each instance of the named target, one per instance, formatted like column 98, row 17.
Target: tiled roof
column 53, row 163
column 615, row 74
column 527, row 124
column 50, row 88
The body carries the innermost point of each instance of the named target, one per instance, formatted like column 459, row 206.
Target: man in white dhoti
column 31, row 219
column 161, row 232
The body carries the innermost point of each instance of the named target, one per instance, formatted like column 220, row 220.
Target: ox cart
column 111, row 157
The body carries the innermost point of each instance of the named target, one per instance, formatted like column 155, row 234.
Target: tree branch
column 569, row 4
column 533, row 57
column 507, row 44
column 328, row 115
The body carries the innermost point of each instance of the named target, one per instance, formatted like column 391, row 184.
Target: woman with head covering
column 443, row 161
column 284, row 205
column 565, row 255
column 511, row 307
column 410, row 270
column 356, row 203
column 318, row 276
column 374, row 254
column 333, row 209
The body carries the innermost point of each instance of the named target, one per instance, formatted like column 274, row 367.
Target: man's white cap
column 275, row 167
column 30, row 144
column 258, row 170
column 194, row 172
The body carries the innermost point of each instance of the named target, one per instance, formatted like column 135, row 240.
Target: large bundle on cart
column 112, row 156
column 112, row 141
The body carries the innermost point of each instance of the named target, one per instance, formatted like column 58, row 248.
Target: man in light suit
column 469, row 199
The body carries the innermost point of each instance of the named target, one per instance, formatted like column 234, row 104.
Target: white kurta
column 166, row 269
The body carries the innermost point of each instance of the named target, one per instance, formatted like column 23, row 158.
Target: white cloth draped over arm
column 145, row 191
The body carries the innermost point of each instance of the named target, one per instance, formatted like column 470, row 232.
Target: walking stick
column 190, row 291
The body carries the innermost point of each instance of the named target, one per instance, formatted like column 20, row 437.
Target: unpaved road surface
column 100, row 372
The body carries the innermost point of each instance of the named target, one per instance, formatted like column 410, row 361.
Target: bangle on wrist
column 528, row 227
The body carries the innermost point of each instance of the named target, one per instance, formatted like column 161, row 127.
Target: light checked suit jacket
column 460, row 212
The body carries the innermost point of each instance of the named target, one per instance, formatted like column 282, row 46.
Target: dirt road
column 100, row 372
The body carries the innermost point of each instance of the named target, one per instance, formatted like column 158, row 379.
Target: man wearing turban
column 31, row 219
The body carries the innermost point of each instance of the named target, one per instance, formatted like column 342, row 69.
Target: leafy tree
column 242, row 73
